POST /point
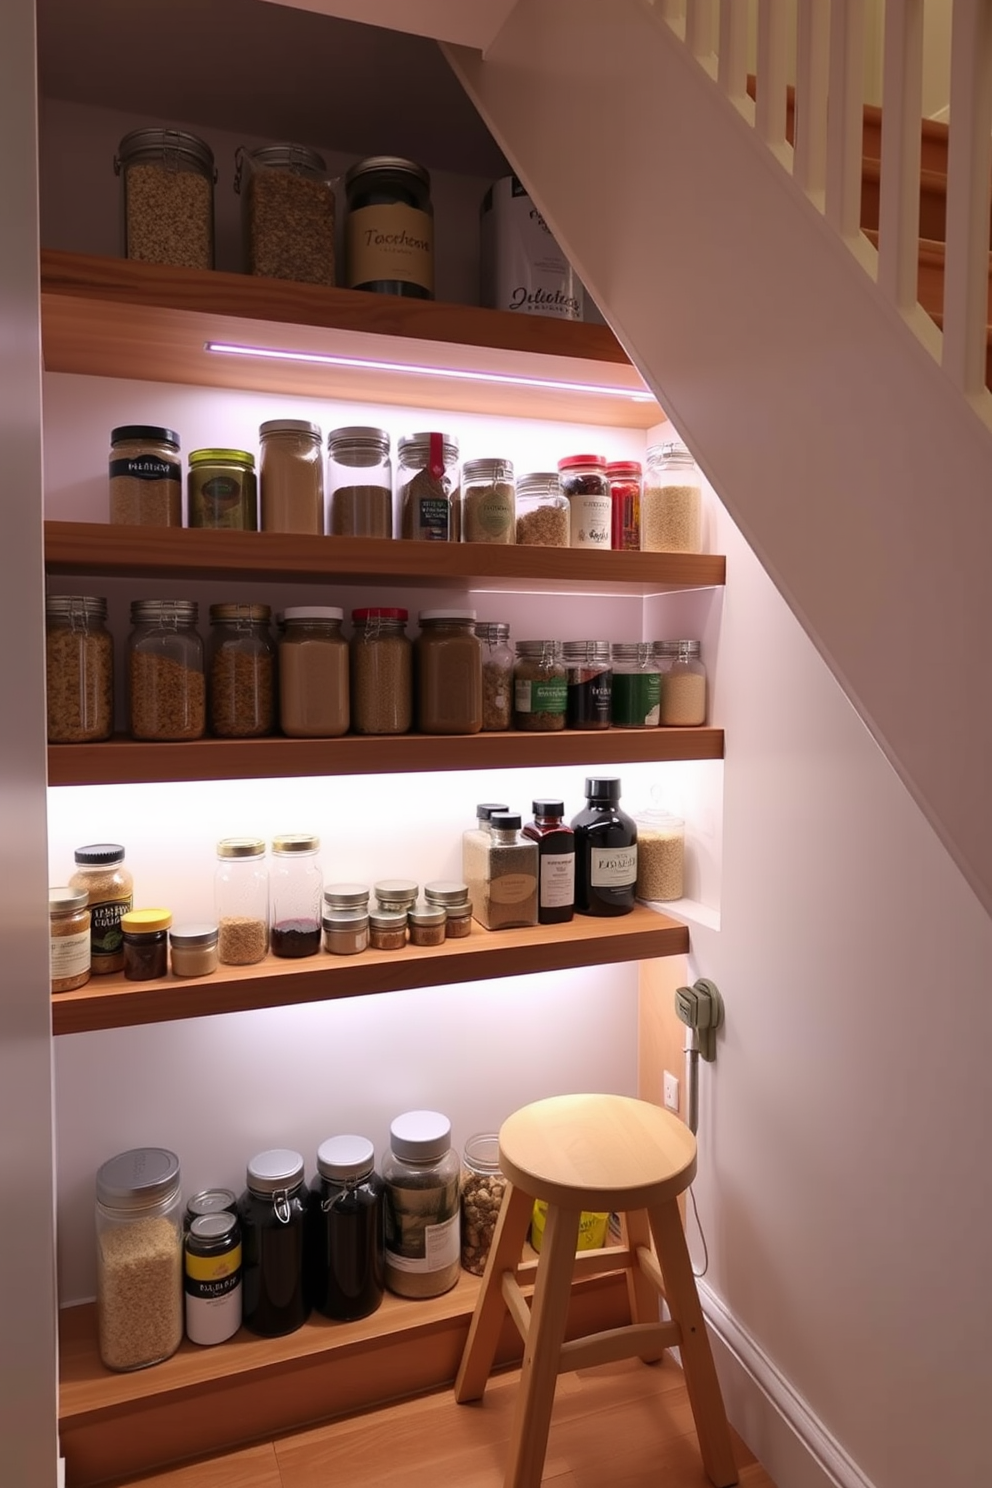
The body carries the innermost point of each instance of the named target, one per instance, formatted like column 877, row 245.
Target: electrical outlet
column 670, row 1090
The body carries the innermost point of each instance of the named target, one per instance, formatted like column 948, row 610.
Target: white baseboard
column 779, row 1426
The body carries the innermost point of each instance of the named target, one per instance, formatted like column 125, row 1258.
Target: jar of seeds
column 427, row 924
column 139, row 1258
column 287, row 213
column 488, row 509
column 497, row 674
column 387, row 929
column 168, row 196
column 422, row 1175
column 454, row 898
column 428, row 487
column 167, row 693
column 671, row 505
column 381, row 659
column 242, row 671
column 542, row 511
column 482, row 1194
column 360, row 482
column 241, row 897
column 313, row 673
column 146, row 477
column 79, row 669
column 683, row 698
column 540, row 687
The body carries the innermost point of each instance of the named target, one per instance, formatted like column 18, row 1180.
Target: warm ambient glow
column 458, row 374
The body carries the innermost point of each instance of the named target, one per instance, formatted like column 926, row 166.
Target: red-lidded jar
column 624, row 477
column 583, row 480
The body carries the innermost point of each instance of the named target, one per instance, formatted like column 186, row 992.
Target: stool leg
column 641, row 1291
column 542, row 1353
column 490, row 1309
column 701, row 1381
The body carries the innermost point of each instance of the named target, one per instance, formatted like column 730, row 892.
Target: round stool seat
column 597, row 1152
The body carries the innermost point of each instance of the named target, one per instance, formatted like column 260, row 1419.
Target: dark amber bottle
column 556, row 862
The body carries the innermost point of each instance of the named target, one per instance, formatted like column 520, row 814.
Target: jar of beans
column 242, row 671
column 540, row 687
column 542, row 511
column 381, row 659
column 583, row 480
column 671, row 506
column 167, row 693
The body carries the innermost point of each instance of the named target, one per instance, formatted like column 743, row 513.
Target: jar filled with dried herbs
column 449, row 673
column 488, row 502
column 242, row 671
column 497, row 674
column 360, row 482
column 381, row 660
column 422, row 1175
column 109, row 887
column 427, row 478
column 79, row 669
column 540, row 687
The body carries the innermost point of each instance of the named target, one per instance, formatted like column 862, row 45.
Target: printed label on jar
column 589, row 695
column 439, row 1244
column 636, row 699
column 70, row 955
column 557, row 880
column 433, row 520
column 146, row 468
column 540, row 697
column 613, row 867
column 591, row 521
column 390, row 241
column 213, row 1296
column 512, row 888
column 106, row 938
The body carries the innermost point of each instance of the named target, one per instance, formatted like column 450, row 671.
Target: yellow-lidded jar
column 221, row 490
column 146, row 937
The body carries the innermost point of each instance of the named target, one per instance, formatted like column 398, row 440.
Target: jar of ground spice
column 497, row 674
column 381, row 657
column 346, row 931
column 296, row 891
column 193, row 949
column 488, row 502
column 221, row 490
column 453, row 897
column 241, row 898
column 542, row 511
column 109, row 887
column 313, row 673
column 242, row 671
column 79, row 669
column 146, row 943
column 359, row 482
column 583, row 480
column 427, row 479
column 395, row 895
column 427, row 924
column 146, row 477
column 287, row 203
column 168, row 180
column 139, row 1258
column 291, row 477
column 165, row 671
column 387, row 929
column 449, row 673
column 69, row 938
column 540, row 687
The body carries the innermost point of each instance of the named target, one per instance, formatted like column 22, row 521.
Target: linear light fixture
column 326, row 359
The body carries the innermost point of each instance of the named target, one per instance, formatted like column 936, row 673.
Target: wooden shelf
column 113, row 1002
column 112, row 317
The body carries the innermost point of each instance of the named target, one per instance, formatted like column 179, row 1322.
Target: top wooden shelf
column 113, row 317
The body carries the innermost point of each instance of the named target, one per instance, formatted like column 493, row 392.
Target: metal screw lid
column 240, row 847
column 255, row 614
column 396, row 888
column 288, row 426
column 203, row 934
column 178, row 611
column 386, row 163
column 295, row 842
column 140, row 1176
column 63, row 900
column 586, row 650
column 427, row 914
column 492, row 630
column 274, row 1170
column 420, row 1136
column 487, row 470
column 446, row 891
column 312, row 612
column 541, row 483
column 214, row 1227
column 292, row 157
column 345, row 1158
column 146, row 143
column 419, row 446
column 211, row 1201
column 388, row 919
column 552, row 650
column 358, row 439
column 426, row 616
column 671, row 450
column 346, row 896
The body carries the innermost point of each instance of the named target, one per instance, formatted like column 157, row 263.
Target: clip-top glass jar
column 671, row 505
column 360, row 482
column 389, row 231
column 488, row 511
column 589, row 678
column 146, row 477
column 273, row 1214
column 79, row 669
column 381, row 672
column 543, row 516
column 427, row 480
column 241, row 897
column 291, row 477
column 313, row 673
column 683, row 693
column 497, row 674
column 483, row 1186
column 347, row 1240
column 139, row 1257
column 540, row 688
column 583, row 480
column 168, row 179
column 242, row 671
column 422, row 1174
column 297, row 893
column 636, row 685
column 449, row 673
column 287, row 215
column 165, row 670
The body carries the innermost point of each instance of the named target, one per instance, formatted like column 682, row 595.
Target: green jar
column 636, row 697
column 221, row 490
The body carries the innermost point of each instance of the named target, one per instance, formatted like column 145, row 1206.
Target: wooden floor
column 626, row 1425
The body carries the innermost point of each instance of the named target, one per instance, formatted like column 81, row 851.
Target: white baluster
column 699, row 27
column 966, row 263
column 845, row 116
column 732, row 63
column 812, row 66
column 770, row 95
column 902, row 104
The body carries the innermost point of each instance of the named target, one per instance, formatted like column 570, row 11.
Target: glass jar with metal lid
column 422, row 1174
column 583, row 480
column 454, row 898
column 287, row 213
column 683, row 693
column 381, row 658
column 497, row 674
column 313, row 673
column 543, row 519
column 396, row 895
column 589, row 677
column 488, row 511
column 272, row 1210
column 241, row 899
column 427, row 924
column 167, row 692
column 483, row 1186
column 449, row 673
column 168, row 194
column 389, row 230
column 139, row 1257
column 291, row 477
column 347, row 1230
column 636, row 685
column 146, row 943
column 69, row 938
column 625, row 480
column 540, row 688
column 346, row 931
column 242, row 671
column 221, row 490
column 671, row 504
column 110, row 888
column 79, row 669
column 387, row 929
column 296, row 890
column 146, row 477
column 212, row 1278
column 360, row 482
column 427, row 487
column 193, row 949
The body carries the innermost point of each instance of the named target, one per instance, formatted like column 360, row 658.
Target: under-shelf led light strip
column 457, row 374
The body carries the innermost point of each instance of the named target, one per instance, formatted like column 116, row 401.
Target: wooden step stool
column 596, row 1153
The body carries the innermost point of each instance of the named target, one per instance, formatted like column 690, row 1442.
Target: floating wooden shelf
column 113, row 1002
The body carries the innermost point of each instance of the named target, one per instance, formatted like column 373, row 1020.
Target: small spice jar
column 291, row 477
column 396, row 894
column 454, row 898
column 427, row 924
column 287, row 213
column 543, row 519
column 346, row 931
column 583, row 480
column 589, row 680
column 671, row 506
column 449, row 673
column 683, row 695
column 359, row 482
column 387, row 929
column 168, row 184
column 193, row 949
column 79, row 669
column 167, row 688
column 242, row 671
column 241, row 899
column 69, row 938
column 427, row 481
column 313, row 673
column 210, row 1201
column 497, row 674
column 488, row 511
column 221, row 490
column 483, row 1186
column 212, row 1278
column 422, row 1175
column 636, row 685
column 381, row 657
column 273, row 1210
column 351, row 897
column 508, row 892
column 139, row 1258
column 389, row 230
column 110, row 889
column 660, row 854
column 625, row 479
column 146, row 943
column 540, row 687
column 296, row 886
column 146, row 477
column 347, row 1230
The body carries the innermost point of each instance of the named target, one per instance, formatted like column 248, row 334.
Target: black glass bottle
column 272, row 1211
column 556, row 862
column 605, row 852
column 346, row 1241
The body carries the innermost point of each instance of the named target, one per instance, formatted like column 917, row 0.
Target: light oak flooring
column 625, row 1425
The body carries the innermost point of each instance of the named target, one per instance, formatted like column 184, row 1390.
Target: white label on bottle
column 214, row 1318
column 512, row 888
column 442, row 1248
column 557, row 880
column 613, row 867
column 70, row 954
column 591, row 521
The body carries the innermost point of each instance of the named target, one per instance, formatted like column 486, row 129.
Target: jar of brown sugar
column 70, row 938
column 291, row 477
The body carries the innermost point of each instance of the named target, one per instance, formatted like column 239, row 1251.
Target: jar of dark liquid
column 389, row 229
column 296, row 885
column 347, row 1234
column 272, row 1211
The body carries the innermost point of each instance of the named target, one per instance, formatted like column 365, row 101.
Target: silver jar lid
column 428, row 914
column 345, row 919
column 199, row 935
column 289, row 426
column 395, row 889
column 394, row 163
column 431, row 615
column 213, row 1227
column 358, row 441
column 586, row 650
column 312, row 612
column 76, row 606
column 632, row 650
column 671, row 451
column 420, row 1136
column 252, row 614
column 177, row 611
column 417, row 447
column 63, row 901
column 542, row 483
column 487, row 471
column 388, row 919
column 492, row 630
column 210, row 1201
column 531, row 649
column 447, row 891
column 274, row 1171
column 346, row 896
column 151, row 144
column 346, row 1158
column 290, row 157
column 138, row 1177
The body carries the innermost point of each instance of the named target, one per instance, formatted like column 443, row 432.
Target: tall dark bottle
column 605, row 852
column 556, row 862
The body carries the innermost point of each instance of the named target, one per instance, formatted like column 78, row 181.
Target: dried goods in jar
column 242, row 940
column 79, row 669
column 381, row 657
column 242, row 671
column 145, row 477
column 69, row 933
column 109, row 887
column 168, row 178
column 483, row 1186
column 683, row 693
column 660, row 855
column 428, row 487
column 540, row 687
column 165, row 669
column 542, row 511
column 141, row 1293
column 497, row 674
column 313, row 673
column 360, row 482
column 287, row 212
column 671, row 510
column 488, row 502
column 583, row 480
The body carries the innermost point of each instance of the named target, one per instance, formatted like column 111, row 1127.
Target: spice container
column 297, row 894
column 381, row 656
column 212, row 1275
column 210, row 1201
column 483, row 1186
column 359, row 483
column 488, row 513
column 583, row 480
column 146, row 477
column 241, row 898
column 346, row 931
column 291, row 477
column 193, row 949
column 556, row 862
column 683, row 699
column 347, row 1230
column 540, row 688
column 543, row 516
column 636, row 692
column 427, row 924
column 272, row 1210
column 457, row 906
column 287, row 213
column 165, row 671
column 389, row 230
column 397, row 895
column 242, row 671
column 168, row 191
column 507, row 893
column 146, row 943
column 427, row 487
column 589, row 681
column 139, row 1258
column 497, row 674
column 476, row 843
column 671, row 506
column 79, row 669
column 109, row 887
column 387, row 929
column 449, row 673
column 660, row 855
column 346, row 897
column 313, row 673
column 422, row 1177
column 605, row 851
column 624, row 477
column 221, row 490
column 69, row 938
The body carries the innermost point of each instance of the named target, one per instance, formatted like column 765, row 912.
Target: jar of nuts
column 497, row 674
column 482, row 1194
column 542, row 511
